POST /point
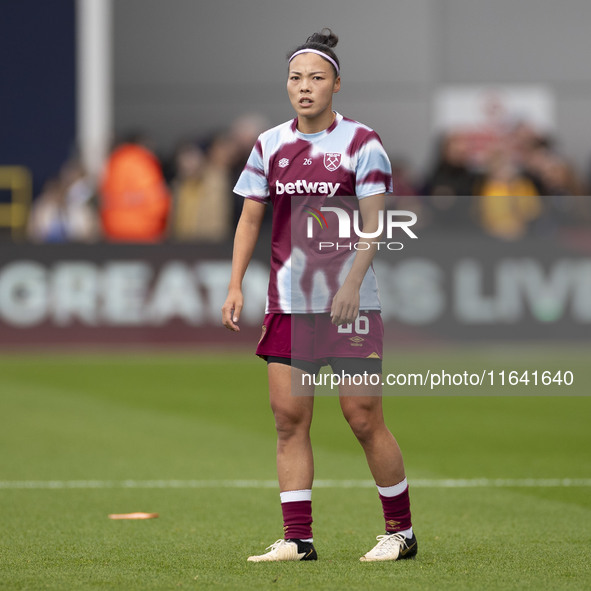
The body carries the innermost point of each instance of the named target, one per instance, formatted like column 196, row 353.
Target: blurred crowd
column 525, row 184
column 143, row 196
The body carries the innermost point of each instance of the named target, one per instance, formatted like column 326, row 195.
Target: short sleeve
column 252, row 183
column 374, row 172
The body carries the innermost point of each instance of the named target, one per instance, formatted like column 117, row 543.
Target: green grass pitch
column 196, row 417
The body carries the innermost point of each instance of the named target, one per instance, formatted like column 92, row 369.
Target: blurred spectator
column 215, row 215
column 187, row 191
column 202, row 191
column 64, row 210
column 402, row 180
column 509, row 217
column 522, row 138
column 451, row 178
column 565, row 202
column 503, row 178
column 244, row 133
column 47, row 218
column 558, row 176
column 451, row 174
column 510, row 203
column 134, row 198
column 405, row 195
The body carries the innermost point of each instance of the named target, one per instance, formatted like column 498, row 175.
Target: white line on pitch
column 415, row 483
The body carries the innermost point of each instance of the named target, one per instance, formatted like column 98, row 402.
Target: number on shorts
column 361, row 326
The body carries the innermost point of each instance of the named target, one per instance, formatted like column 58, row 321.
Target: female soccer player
column 314, row 300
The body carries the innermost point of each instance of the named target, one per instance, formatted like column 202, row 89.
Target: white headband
column 321, row 54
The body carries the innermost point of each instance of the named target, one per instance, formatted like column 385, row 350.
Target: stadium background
column 171, row 66
column 459, row 300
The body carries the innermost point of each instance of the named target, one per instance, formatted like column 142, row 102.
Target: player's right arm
column 247, row 233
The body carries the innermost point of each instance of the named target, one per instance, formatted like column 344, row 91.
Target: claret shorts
column 309, row 341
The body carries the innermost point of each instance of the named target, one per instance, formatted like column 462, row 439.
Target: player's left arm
column 345, row 304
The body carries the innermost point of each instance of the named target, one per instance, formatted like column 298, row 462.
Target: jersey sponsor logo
column 302, row 187
column 332, row 160
column 283, row 162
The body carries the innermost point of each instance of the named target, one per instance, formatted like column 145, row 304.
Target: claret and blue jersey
column 336, row 167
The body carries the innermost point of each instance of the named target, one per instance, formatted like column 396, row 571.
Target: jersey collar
column 311, row 137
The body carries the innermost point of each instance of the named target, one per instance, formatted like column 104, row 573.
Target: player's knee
column 289, row 422
column 363, row 425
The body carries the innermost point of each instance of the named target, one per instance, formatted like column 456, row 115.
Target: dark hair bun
column 323, row 42
column 325, row 37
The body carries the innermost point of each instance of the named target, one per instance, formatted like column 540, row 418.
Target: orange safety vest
column 134, row 198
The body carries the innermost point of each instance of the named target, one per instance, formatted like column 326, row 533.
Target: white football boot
column 284, row 550
column 392, row 546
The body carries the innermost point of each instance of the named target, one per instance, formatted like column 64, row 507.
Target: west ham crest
column 332, row 160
